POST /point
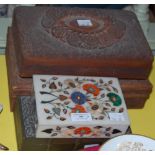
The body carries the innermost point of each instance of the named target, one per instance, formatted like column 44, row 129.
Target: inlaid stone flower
column 91, row 88
column 115, row 99
column 82, row 131
column 78, row 98
column 78, row 109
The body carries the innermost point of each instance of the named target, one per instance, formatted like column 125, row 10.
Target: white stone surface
column 92, row 101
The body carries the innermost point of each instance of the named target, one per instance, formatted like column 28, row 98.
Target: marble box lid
column 75, row 101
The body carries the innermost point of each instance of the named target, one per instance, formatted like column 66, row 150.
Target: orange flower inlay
column 78, row 109
column 91, row 88
column 82, row 131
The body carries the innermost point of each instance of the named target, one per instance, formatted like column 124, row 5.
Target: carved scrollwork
column 103, row 31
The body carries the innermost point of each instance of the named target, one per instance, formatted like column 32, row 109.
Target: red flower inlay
column 91, row 88
column 78, row 109
column 82, row 131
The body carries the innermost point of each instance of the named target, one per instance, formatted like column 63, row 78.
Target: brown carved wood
column 48, row 39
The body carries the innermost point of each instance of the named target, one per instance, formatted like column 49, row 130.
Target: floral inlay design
column 91, row 88
column 78, row 98
column 115, row 99
column 79, row 95
column 78, row 109
column 83, row 131
column 59, row 97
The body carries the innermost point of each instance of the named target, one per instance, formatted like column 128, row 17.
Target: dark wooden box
column 49, row 40
column 135, row 92
column 25, row 119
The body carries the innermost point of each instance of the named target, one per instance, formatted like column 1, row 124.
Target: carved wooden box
column 75, row 41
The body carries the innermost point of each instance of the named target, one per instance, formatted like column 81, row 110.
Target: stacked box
column 76, row 42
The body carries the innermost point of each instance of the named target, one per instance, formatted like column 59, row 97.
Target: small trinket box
column 79, row 107
column 25, row 120
column 118, row 50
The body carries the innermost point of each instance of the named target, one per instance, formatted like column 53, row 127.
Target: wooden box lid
column 75, row 41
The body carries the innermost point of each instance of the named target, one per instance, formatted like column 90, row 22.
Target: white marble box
column 79, row 107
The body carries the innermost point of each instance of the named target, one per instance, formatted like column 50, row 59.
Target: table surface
column 142, row 120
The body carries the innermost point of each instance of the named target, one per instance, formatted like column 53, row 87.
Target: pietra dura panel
column 79, row 107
